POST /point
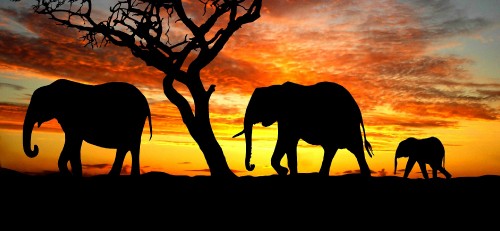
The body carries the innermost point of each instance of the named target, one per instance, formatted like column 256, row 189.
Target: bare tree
column 146, row 27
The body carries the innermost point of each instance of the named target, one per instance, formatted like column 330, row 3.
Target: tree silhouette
column 151, row 30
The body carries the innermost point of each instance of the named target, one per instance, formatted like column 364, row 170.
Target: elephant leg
column 434, row 173
column 329, row 153
column 134, row 151
column 423, row 169
column 445, row 173
column 279, row 152
column 118, row 164
column 291, row 154
column 358, row 152
column 439, row 167
column 62, row 163
column 76, row 159
column 409, row 166
column 71, row 148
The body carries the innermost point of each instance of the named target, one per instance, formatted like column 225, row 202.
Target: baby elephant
column 110, row 115
column 424, row 151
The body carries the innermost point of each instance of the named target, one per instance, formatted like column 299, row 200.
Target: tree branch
column 178, row 100
column 140, row 25
column 222, row 36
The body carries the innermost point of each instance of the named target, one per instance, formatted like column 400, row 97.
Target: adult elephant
column 423, row 151
column 109, row 115
column 323, row 114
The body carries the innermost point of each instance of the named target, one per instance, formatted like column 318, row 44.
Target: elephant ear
column 404, row 148
column 276, row 98
column 46, row 103
column 262, row 106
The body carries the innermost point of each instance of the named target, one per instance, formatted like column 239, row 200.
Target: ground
column 160, row 199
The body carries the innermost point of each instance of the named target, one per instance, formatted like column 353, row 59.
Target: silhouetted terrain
column 162, row 199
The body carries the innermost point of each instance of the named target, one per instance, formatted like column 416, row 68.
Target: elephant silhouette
column 323, row 114
column 423, row 151
column 109, row 115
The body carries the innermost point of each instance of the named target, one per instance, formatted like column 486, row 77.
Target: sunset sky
column 416, row 69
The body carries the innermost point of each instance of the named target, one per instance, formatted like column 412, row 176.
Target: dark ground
column 306, row 200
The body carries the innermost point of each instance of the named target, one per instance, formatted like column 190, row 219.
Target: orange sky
column 415, row 70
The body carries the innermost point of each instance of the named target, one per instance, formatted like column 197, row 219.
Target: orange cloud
column 377, row 50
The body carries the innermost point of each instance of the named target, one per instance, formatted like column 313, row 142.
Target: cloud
column 12, row 115
column 445, row 20
column 9, row 24
column 96, row 166
column 56, row 51
column 379, row 50
column 406, row 121
column 448, row 110
column 12, row 86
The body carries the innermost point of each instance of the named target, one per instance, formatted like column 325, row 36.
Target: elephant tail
column 150, row 127
column 149, row 122
column 444, row 156
column 368, row 146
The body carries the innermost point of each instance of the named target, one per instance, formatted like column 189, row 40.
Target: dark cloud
column 468, row 110
column 302, row 8
column 96, row 166
column 458, row 26
column 443, row 19
column 490, row 94
column 410, row 122
column 12, row 115
column 12, row 86
column 58, row 52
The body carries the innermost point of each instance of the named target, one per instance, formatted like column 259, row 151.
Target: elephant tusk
column 239, row 134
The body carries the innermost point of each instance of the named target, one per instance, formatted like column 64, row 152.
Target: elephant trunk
column 395, row 164
column 248, row 139
column 29, row 122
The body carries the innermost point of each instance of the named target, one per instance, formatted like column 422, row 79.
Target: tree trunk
column 212, row 151
column 198, row 124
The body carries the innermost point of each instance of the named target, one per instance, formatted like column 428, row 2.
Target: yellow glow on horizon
column 180, row 155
